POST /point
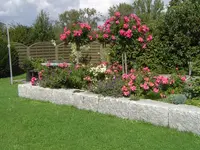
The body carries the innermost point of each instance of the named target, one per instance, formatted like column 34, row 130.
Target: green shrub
column 176, row 99
column 69, row 77
column 53, row 78
column 196, row 66
column 4, row 60
column 192, row 89
column 152, row 95
column 109, row 87
column 33, row 64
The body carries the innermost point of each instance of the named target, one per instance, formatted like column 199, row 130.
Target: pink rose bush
column 124, row 31
column 80, row 34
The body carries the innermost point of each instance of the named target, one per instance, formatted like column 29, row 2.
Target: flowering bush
column 126, row 33
column 63, row 76
column 80, row 34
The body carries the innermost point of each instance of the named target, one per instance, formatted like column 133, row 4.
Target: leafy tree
column 43, row 28
column 124, row 9
column 175, row 2
column 2, row 30
column 148, row 10
column 21, row 34
column 180, row 33
column 87, row 15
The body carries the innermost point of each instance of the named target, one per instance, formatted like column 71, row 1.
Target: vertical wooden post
column 28, row 52
column 56, row 53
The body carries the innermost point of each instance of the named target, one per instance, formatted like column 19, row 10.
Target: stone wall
column 181, row 117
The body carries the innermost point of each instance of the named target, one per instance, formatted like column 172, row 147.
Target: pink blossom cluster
column 88, row 79
column 63, row 65
column 79, row 31
column 148, row 82
column 118, row 26
column 129, row 86
column 115, row 68
column 33, row 81
column 85, row 25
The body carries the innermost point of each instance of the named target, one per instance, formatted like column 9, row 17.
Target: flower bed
column 108, row 80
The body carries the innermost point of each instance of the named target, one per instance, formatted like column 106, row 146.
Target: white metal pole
column 10, row 58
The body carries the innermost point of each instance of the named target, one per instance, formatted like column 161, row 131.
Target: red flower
column 126, row 19
column 144, row 46
column 133, row 88
column 117, row 14
column 105, row 36
column 127, row 93
column 78, row 33
column 90, row 37
column 88, row 78
column 124, row 88
column 63, row 37
column 128, row 33
column 150, row 37
column 146, row 79
column 156, row 90
column 33, row 80
column 134, row 27
column 121, row 32
column 151, row 84
column 117, row 22
column 140, row 39
column 146, row 69
column 113, row 37
column 183, row 78
column 125, row 26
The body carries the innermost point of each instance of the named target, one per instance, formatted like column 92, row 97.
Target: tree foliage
column 43, row 28
column 180, row 32
column 87, row 15
column 124, row 9
column 21, row 34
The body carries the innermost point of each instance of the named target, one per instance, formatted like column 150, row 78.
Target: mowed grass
column 34, row 125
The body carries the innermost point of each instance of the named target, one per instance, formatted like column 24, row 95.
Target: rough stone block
column 39, row 93
column 114, row 106
column 86, row 100
column 63, row 96
column 153, row 112
column 185, row 118
column 22, row 90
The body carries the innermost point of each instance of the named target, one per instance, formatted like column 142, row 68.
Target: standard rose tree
column 125, row 32
column 80, row 34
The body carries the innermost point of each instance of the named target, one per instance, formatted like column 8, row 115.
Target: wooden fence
column 48, row 51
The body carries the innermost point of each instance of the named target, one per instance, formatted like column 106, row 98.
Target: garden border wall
column 181, row 117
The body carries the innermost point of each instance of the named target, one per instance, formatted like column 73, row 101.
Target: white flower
column 53, row 42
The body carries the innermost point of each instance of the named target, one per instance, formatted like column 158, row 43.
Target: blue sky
column 25, row 11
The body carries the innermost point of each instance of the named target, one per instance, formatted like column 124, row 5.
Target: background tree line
column 175, row 29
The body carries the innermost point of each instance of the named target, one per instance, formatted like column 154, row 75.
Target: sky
column 25, row 11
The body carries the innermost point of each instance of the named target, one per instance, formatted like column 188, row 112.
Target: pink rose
column 156, row 90
column 117, row 14
column 140, row 39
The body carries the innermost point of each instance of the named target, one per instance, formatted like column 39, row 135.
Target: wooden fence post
column 56, row 53
column 28, row 52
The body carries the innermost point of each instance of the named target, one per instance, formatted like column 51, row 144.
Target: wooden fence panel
column 48, row 51
column 94, row 52
column 64, row 52
column 45, row 50
column 22, row 52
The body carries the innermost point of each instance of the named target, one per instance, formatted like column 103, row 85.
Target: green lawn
column 33, row 125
